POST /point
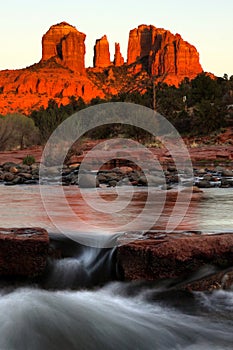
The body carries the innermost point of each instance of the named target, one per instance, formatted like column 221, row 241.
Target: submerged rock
column 88, row 181
column 23, row 251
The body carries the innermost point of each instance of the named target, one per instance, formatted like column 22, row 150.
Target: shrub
column 29, row 160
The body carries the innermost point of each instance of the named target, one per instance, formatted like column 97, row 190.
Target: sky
column 206, row 24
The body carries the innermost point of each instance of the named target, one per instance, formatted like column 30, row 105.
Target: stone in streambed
column 27, row 176
column 151, row 180
column 8, row 177
column 193, row 189
column 88, row 181
column 8, row 165
column 227, row 182
column 214, row 281
column 203, row 184
column 14, row 170
column 112, row 183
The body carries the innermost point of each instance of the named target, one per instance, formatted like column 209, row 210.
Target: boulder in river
column 88, row 181
column 23, row 251
column 176, row 255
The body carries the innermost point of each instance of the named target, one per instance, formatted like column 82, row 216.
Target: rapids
column 77, row 306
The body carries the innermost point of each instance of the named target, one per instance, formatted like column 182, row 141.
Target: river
column 65, row 313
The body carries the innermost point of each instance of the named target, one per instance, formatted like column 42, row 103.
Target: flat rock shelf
column 178, row 255
column 23, row 251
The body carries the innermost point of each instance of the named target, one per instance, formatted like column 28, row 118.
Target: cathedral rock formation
column 153, row 54
column 164, row 55
column 118, row 59
column 101, row 53
column 66, row 44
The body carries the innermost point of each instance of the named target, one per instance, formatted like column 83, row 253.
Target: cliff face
column 101, row 53
column 65, row 44
column 140, row 43
column 118, row 58
column 153, row 54
column 29, row 89
column 165, row 55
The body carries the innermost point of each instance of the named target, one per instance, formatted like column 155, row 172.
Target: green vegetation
column 196, row 108
column 17, row 131
column 48, row 119
column 29, row 160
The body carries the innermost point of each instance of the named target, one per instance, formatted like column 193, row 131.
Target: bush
column 29, row 160
column 17, row 131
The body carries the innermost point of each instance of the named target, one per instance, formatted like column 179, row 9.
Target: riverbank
column 212, row 165
column 203, row 151
column 20, row 174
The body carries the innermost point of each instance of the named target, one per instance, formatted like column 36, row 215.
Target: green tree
column 17, row 130
column 47, row 120
column 203, row 87
column 208, row 117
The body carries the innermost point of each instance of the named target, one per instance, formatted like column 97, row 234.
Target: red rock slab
column 174, row 255
column 23, row 251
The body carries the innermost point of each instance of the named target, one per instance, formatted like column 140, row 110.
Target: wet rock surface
column 179, row 255
column 23, row 251
column 12, row 173
column 19, row 174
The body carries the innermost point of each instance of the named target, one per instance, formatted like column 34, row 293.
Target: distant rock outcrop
column 153, row 54
column 101, row 53
column 118, row 58
column 66, row 44
column 164, row 55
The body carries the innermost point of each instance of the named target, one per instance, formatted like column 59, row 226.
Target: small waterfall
column 73, row 308
column 80, row 266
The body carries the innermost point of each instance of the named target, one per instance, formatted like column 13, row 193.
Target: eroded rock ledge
column 185, row 260
column 23, row 251
column 172, row 256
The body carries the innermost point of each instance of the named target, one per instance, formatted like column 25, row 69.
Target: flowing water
column 21, row 206
column 78, row 306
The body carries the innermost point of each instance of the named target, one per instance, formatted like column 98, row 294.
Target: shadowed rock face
column 23, row 252
column 101, row 53
column 165, row 55
column 66, row 44
column 174, row 255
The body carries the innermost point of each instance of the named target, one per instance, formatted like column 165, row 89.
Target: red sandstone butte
column 167, row 55
column 65, row 44
column 29, row 89
column 118, row 58
column 23, row 251
column 174, row 255
column 101, row 53
column 152, row 54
